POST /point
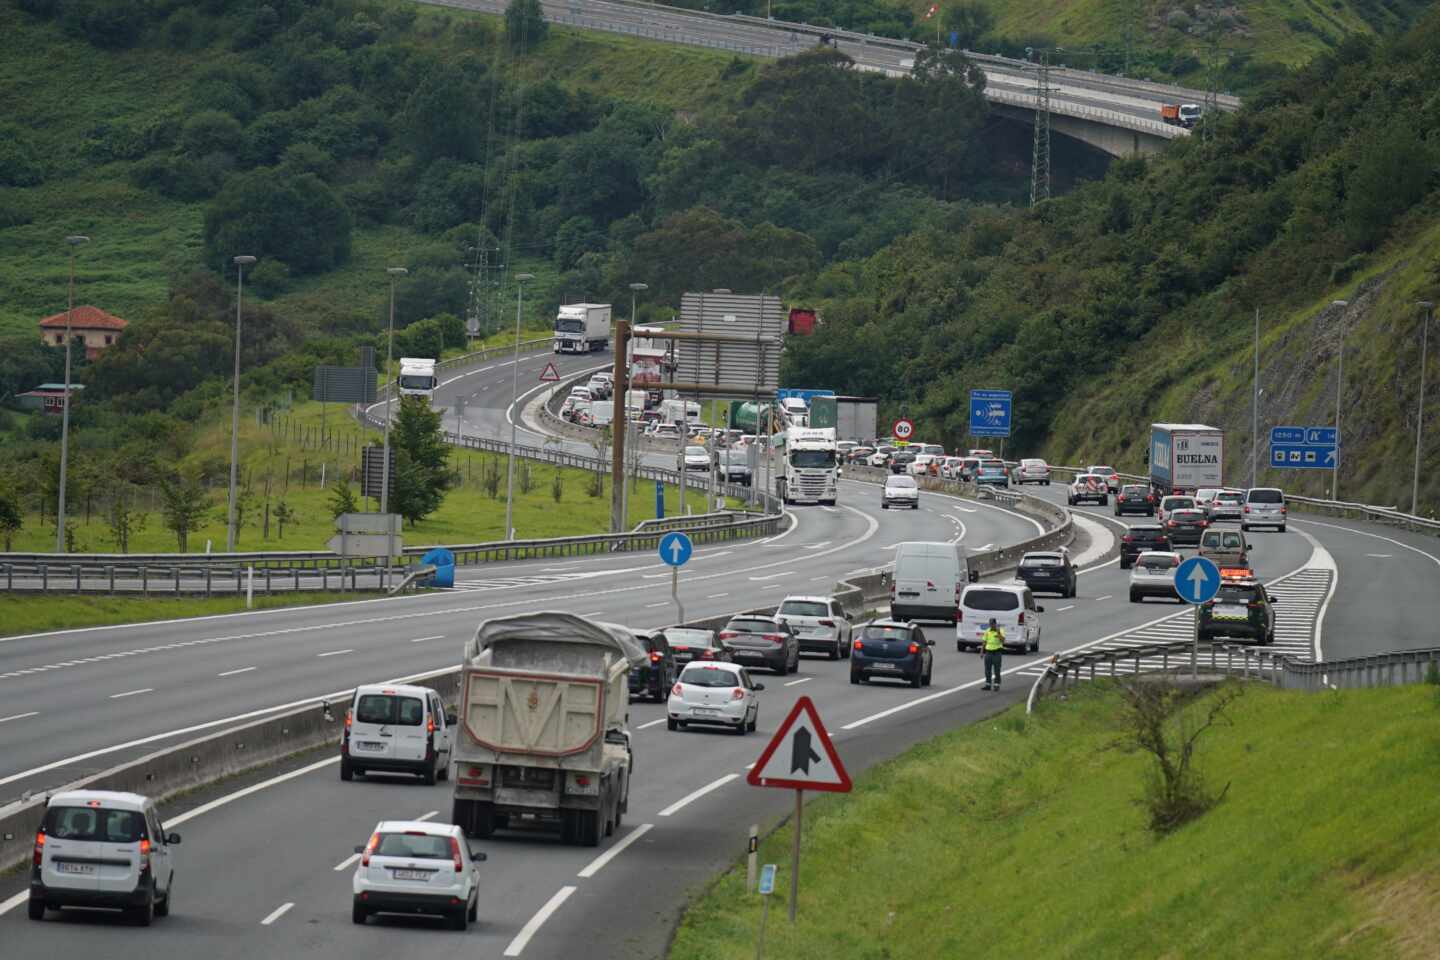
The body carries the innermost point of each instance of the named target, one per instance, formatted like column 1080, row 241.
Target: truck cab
column 811, row 466
column 582, row 327
column 417, row 378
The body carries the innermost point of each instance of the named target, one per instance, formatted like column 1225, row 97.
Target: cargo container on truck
column 684, row 412
column 582, row 327
column 542, row 733
column 1185, row 457
column 853, row 418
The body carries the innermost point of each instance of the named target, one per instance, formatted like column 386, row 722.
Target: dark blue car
column 891, row 649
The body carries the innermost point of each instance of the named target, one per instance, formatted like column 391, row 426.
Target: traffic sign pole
column 675, row 593
column 795, row 854
column 1197, row 581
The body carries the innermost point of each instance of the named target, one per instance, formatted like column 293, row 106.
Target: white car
column 1011, row 605
column 714, row 693
column 417, row 867
column 1033, row 471
column 900, row 490
column 662, row 431
column 100, row 848
column 581, row 393
column 1153, row 575
column 920, row 466
column 1090, row 487
column 396, row 729
column 880, row 457
column 1227, row 505
column 820, row 624
column 1172, row 503
column 599, row 387
column 695, row 458
column 1111, row 475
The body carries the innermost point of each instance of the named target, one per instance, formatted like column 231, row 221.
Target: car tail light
column 914, row 648
column 654, row 657
column 430, row 726
column 678, row 690
column 144, row 854
column 859, row 645
column 39, row 847
column 728, row 634
column 1021, row 621
column 737, row 694
column 959, row 613
column 349, row 718
column 773, row 637
column 827, row 623
column 1127, row 539
column 369, row 849
column 455, row 855
column 707, row 655
column 1247, row 508
column 1174, row 523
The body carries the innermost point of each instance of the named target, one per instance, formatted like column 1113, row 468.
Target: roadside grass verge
column 1023, row 837
column 21, row 614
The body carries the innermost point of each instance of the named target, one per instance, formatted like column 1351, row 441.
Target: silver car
column 1154, row 576
column 1264, row 507
column 1227, row 505
column 900, row 490
column 820, row 624
column 1033, row 471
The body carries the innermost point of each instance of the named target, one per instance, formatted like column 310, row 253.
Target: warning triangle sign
column 550, row 375
column 800, row 755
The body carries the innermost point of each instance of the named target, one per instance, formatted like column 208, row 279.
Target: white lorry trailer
column 582, row 328
column 811, row 466
column 542, row 736
column 1185, row 457
column 417, row 378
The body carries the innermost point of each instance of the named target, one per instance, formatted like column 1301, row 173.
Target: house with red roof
column 94, row 326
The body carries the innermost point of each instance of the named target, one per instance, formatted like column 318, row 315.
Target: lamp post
column 625, row 482
column 392, row 272
column 1255, row 404
column 241, row 262
column 1427, row 308
column 74, row 242
column 1339, row 392
column 520, row 279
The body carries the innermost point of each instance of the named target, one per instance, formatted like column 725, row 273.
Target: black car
column 687, row 643
column 1186, row 526
column 733, row 465
column 1142, row 537
column 900, row 460
column 1242, row 608
column 1135, row 498
column 1048, row 572
column 655, row 678
column 891, row 649
column 763, row 641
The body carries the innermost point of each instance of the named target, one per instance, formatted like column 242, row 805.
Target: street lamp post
column 1427, row 307
column 241, row 262
column 625, row 483
column 392, row 272
column 1255, row 404
column 1339, row 392
column 520, row 279
column 74, row 242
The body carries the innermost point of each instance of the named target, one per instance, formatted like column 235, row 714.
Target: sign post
column 800, row 757
column 659, row 500
column 767, row 887
column 675, row 550
column 1197, row 581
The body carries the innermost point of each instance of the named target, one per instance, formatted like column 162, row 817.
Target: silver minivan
column 927, row 581
column 396, row 729
column 1013, row 609
column 1264, row 507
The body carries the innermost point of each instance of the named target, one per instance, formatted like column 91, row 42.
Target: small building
column 94, row 326
column 47, row 398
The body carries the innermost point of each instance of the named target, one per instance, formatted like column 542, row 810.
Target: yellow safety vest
column 993, row 639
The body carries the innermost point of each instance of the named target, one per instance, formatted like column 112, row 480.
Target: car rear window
column 1151, row 561
column 1040, row 561
column 1229, row 498
column 804, row 608
column 389, row 708
column 1235, row 593
column 709, row 677
column 751, row 626
column 1146, row 533
column 419, row 846
column 873, row 632
column 1266, row 496
column 907, row 483
column 1104, row 470
column 1133, row 491
column 1187, row 514
column 689, row 638
column 94, row 824
column 991, row 600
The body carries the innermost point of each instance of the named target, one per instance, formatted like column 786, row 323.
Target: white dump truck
column 542, row 736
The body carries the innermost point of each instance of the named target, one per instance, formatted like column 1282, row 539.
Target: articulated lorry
column 417, row 378
column 1185, row 457
column 582, row 327
column 542, row 735
column 812, row 466
column 852, row 417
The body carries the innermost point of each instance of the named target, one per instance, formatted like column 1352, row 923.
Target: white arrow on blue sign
column 1197, row 580
column 675, row 548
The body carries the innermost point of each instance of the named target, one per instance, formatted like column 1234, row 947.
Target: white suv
column 399, row 729
column 98, row 848
column 820, row 624
column 417, row 867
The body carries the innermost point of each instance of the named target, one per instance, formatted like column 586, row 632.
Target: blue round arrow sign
column 1197, row 580
column 675, row 548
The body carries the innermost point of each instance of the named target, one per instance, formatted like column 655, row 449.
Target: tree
column 124, row 522
column 297, row 219
column 183, row 504
column 11, row 518
column 443, row 116
column 342, row 499
column 422, row 470
column 972, row 21
column 525, row 25
column 285, row 514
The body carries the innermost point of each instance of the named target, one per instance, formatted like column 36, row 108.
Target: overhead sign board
column 1304, row 448
column 1197, row 580
column 755, row 365
column 990, row 413
column 800, row 756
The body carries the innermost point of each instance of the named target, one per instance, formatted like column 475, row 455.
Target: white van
column 400, row 729
column 927, row 581
column 1264, row 507
column 100, row 848
column 1011, row 605
column 602, row 413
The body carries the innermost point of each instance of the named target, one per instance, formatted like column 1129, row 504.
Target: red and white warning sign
column 550, row 375
column 800, row 755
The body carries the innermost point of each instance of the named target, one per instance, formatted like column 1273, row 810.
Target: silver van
column 927, row 581
column 1264, row 507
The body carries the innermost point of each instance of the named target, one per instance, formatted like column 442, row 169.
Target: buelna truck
column 1185, row 457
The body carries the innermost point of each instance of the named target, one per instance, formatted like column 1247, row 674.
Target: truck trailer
column 542, row 735
column 582, row 328
column 417, row 378
column 1185, row 457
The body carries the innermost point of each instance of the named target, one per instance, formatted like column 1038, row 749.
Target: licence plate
column 1231, row 611
column 82, row 868
column 411, row 874
column 884, row 666
column 369, row 745
column 704, row 711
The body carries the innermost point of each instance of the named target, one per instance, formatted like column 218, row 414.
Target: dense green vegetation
column 1132, row 299
column 1025, row 836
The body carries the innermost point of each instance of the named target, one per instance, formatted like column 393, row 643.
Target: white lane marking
column 772, row 576
column 427, row 816
column 749, row 766
column 697, row 794
column 423, row 639
column 1101, row 540
column 1107, row 596
column 717, row 596
column 253, row 788
column 817, row 579
column 231, row 673
column 660, row 604
column 1380, row 556
column 592, row 613
column 132, row 693
column 816, row 546
column 276, row 914
column 599, row 862
column 347, row 863
column 533, row 925
column 14, row 902
column 773, row 586
column 794, row 525
column 801, row 680
column 652, row 723
column 1070, row 606
column 20, row 716
column 965, row 509
column 334, row 653
column 1322, row 558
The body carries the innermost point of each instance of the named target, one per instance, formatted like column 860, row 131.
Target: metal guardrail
column 224, row 577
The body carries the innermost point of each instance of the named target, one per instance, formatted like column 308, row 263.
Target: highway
column 243, row 862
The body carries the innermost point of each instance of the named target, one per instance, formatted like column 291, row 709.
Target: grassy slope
column 1021, row 837
column 58, row 88
column 21, row 615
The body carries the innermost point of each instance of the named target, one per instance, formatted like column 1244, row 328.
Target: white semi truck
column 542, row 735
column 1185, row 457
column 417, row 378
column 582, row 328
column 811, row 466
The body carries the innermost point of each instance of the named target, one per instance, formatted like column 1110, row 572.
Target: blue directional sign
column 767, row 879
column 675, row 548
column 660, row 500
column 990, row 413
column 1304, row 448
column 1197, row 580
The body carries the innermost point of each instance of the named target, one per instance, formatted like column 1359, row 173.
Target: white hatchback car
column 715, row 693
column 100, row 848
column 417, row 867
column 396, row 729
column 1153, row 575
column 900, row 490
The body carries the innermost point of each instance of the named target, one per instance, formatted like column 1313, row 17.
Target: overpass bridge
column 1116, row 115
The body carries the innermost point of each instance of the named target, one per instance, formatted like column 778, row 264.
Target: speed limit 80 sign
column 904, row 429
